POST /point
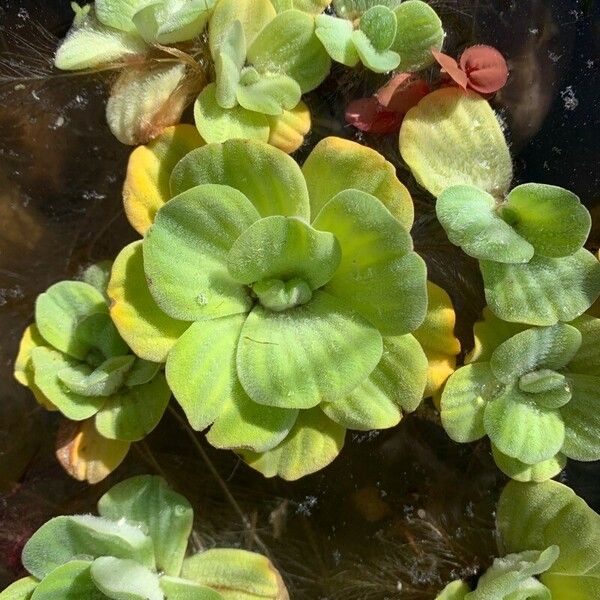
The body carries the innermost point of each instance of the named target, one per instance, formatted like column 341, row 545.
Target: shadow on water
column 400, row 512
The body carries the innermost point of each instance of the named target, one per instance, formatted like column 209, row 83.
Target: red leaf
column 485, row 67
column 451, row 67
column 368, row 115
column 402, row 92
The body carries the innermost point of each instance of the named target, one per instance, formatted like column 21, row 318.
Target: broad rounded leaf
column 454, row 138
column 71, row 581
column 217, row 124
column 176, row 588
column 287, row 130
column 336, row 164
column 520, row 471
column 125, row 579
column 148, row 331
column 550, row 218
column 379, row 275
column 314, row 441
column 378, row 23
column 336, row 35
column 269, row 178
column 198, row 227
column 378, row 61
column 486, row 68
column 469, row 217
column 269, row 94
column 544, row 290
column 319, row 351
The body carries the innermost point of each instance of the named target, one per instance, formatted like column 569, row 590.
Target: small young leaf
column 142, row 371
column 288, row 129
column 451, row 68
column 20, row 589
column 228, row 64
column 378, row 61
column 485, row 67
column 336, row 35
column 455, row 590
column 542, row 380
column 102, row 381
column 99, row 333
column 176, row 588
column 269, row 94
column 71, row 581
column 125, row 579
column 97, row 275
column 117, row 13
column 520, row 471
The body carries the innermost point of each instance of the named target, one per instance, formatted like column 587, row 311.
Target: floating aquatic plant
column 549, row 539
column 534, row 391
column 74, row 361
column 299, row 323
column 136, row 549
column 383, row 35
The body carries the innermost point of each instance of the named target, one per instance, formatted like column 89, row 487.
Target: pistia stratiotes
column 74, row 360
column 136, row 549
column 283, row 300
column 534, row 391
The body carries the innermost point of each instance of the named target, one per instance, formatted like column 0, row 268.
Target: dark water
column 400, row 512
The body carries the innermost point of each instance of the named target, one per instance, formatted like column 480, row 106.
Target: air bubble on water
column 569, row 99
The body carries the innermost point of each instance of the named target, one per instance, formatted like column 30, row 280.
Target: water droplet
column 201, row 299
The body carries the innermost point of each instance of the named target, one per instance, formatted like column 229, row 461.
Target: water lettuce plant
column 534, row 391
column 136, row 549
column 383, row 35
column 549, row 540
column 298, row 326
column 264, row 61
column 74, row 361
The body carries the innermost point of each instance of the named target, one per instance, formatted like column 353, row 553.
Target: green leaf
column 378, row 23
column 197, row 227
column 378, row 61
column 201, row 369
column 533, row 349
column 65, row 538
column 319, row 351
column 270, row 94
column 489, row 333
column 20, row 589
column 235, row 574
column 551, row 218
column 396, row 383
column 134, row 412
column 47, row 364
column 419, row 29
column 98, row 333
column 268, row 177
column 165, row 515
column 141, row 372
column 455, row 590
column 543, row 380
column 469, row 217
column 98, row 275
column 543, row 291
column 521, row 428
column 521, row 471
column 314, row 441
column 379, row 275
column 124, row 579
column 335, row 165
column 228, row 64
column 582, row 418
column 464, row 399
column 183, row 589
column 452, row 138
column 288, row 45
column 118, row 13
column 91, row 44
column 284, row 248
column 217, row 124
column 587, row 359
column 71, row 581
column 59, row 310
column 102, row 381
column 147, row 329
column 336, row 36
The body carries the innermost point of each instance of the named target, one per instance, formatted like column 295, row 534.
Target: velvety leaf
column 336, row 164
column 228, row 64
column 269, row 94
column 396, row 383
column 378, row 23
column 197, row 227
column 485, row 67
column 336, row 36
column 176, row 588
column 98, row 275
column 455, row 590
column 125, row 579
column 146, row 186
column 313, row 443
column 587, row 359
column 464, row 400
column 542, row 380
column 489, row 333
column 452, row 138
column 147, row 329
column 117, row 13
column 71, row 581
column 319, row 351
column 533, row 349
column 236, row 574
column 47, row 364
column 66, row 538
column 217, row 124
column 165, row 515
column 378, row 61
column 310, row 6
column 550, row 218
column 284, row 248
column 287, row 130
column 288, row 45
column 269, row 178
column 85, row 454
column 543, row 291
column 521, row 471
column 141, row 372
column 469, row 217
column 102, row 381
column 379, row 276
column 99, row 333
column 134, row 412
column 418, row 30
column 521, row 428
column 20, row 589
column 59, row 310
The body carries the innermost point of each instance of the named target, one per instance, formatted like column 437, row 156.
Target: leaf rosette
column 75, row 361
column 136, row 549
column 282, row 300
column 383, row 35
column 534, row 391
